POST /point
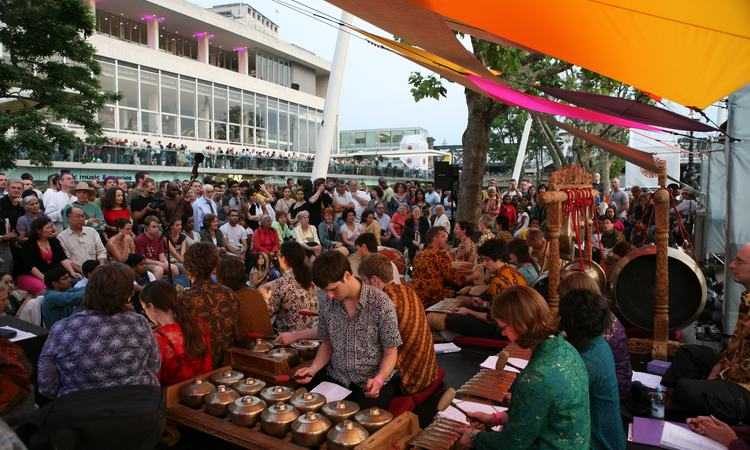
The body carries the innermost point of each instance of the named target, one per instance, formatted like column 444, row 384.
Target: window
column 273, row 123
column 204, row 129
column 220, row 103
column 169, row 125
column 204, row 101
column 149, row 122
column 384, row 137
column 187, row 127
column 249, row 136
column 107, row 76
column 220, row 131
column 127, row 78
column 128, row 119
column 235, row 106
column 169, row 94
column 149, row 90
column 107, row 117
column 248, row 109
column 187, row 97
column 235, row 134
column 260, row 111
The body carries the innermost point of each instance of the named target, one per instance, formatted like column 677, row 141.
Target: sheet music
column 333, row 392
column 454, row 414
column 448, row 347
column 649, row 380
column 491, row 362
column 679, row 438
column 20, row 334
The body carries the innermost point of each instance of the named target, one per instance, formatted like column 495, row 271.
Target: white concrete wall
column 306, row 79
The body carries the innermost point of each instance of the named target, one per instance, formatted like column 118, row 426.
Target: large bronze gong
column 632, row 283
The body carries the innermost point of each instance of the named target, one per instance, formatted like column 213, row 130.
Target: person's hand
column 481, row 418
column 304, row 375
column 715, row 372
column 286, row 338
column 373, row 386
column 507, row 398
column 9, row 236
column 713, row 428
column 467, row 438
column 463, row 311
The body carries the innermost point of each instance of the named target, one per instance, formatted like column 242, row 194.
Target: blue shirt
column 607, row 432
column 201, row 207
column 58, row 305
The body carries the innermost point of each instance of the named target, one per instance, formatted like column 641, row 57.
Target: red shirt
column 176, row 364
column 509, row 211
column 265, row 240
column 150, row 248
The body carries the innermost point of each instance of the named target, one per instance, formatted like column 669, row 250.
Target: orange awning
column 691, row 51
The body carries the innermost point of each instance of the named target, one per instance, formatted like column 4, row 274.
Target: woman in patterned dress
column 550, row 397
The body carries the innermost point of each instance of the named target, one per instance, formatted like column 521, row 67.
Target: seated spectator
column 118, row 404
column 584, row 317
column 151, row 245
column 415, row 232
column 210, row 232
column 41, row 252
column 282, row 227
column 293, row 293
column 328, row 232
column 114, row 209
column 60, row 299
column 81, row 243
column 265, row 238
column 519, row 255
column 184, row 344
column 235, row 235
column 350, row 229
column 122, row 244
column 210, row 301
column 177, row 241
column 306, row 235
column 32, row 207
column 371, row 225
column 92, row 214
column 253, row 312
column 86, row 269
column 466, row 251
column 417, row 363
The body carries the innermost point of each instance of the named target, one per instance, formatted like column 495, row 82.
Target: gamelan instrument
column 446, row 306
column 441, row 434
column 632, row 284
column 279, row 417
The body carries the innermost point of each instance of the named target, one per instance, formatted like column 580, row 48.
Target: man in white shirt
column 512, row 190
column 620, row 198
column 431, row 197
column 56, row 201
column 361, row 198
column 342, row 199
column 81, row 243
column 440, row 219
column 383, row 218
column 235, row 235
column 202, row 206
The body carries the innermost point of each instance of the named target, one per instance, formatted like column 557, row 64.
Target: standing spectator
column 299, row 205
column 431, row 197
column 10, row 211
column 39, row 254
column 319, row 201
column 3, row 184
column 235, row 235
column 209, row 301
column 122, row 244
column 114, row 208
column 285, row 202
column 597, row 183
column 387, row 190
column 184, row 344
column 56, row 201
column 81, row 243
column 150, row 244
column 360, row 197
column 512, row 191
column 342, row 199
column 84, row 200
column 175, row 205
column 144, row 204
column 507, row 214
column 254, row 212
column 620, row 199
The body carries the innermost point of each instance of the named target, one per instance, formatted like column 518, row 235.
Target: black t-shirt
column 139, row 204
column 11, row 212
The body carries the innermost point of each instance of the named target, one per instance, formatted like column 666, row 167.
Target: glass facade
column 167, row 104
column 121, row 27
column 274, row 69
column 382, row 139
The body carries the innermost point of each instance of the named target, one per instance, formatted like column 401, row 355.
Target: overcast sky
column 376, row 92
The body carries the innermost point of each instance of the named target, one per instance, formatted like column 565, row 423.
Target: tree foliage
column 504, row 125
column 47, row 77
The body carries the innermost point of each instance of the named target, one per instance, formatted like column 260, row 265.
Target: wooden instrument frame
column 395, row 435
column 575, row 177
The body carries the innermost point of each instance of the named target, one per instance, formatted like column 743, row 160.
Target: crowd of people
column 142, row 286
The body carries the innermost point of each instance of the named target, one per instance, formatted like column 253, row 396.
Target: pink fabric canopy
column 506, row 94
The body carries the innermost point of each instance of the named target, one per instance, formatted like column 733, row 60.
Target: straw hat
column 83, row 186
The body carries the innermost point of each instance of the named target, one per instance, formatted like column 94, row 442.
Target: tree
column 49, row 77
column 495, row 129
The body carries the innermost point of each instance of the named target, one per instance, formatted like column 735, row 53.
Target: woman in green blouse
column 550, row 398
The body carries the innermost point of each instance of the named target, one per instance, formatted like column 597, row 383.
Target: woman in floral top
column 550, row 398
column 293, row 293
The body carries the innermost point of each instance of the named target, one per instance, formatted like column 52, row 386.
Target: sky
column 376, row 91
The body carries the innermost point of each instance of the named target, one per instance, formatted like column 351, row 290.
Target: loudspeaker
column 445, row 175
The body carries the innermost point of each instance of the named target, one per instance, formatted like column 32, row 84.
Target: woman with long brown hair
column 550, row 406
column 183, row 342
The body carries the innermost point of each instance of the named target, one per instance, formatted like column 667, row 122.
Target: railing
column 182, row 158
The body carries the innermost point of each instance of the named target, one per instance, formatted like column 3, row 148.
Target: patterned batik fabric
column 90, row 350
column 287, row 299
column 736, row 357
column 550, row 403
column 466, row 251
column 15, row 375
column 505, row 278
column 431, row 271
column 217, row 306
column 417, row 364
column 358, row 341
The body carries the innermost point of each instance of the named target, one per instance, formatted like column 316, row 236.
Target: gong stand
column 660, row 344
column 569, row 187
